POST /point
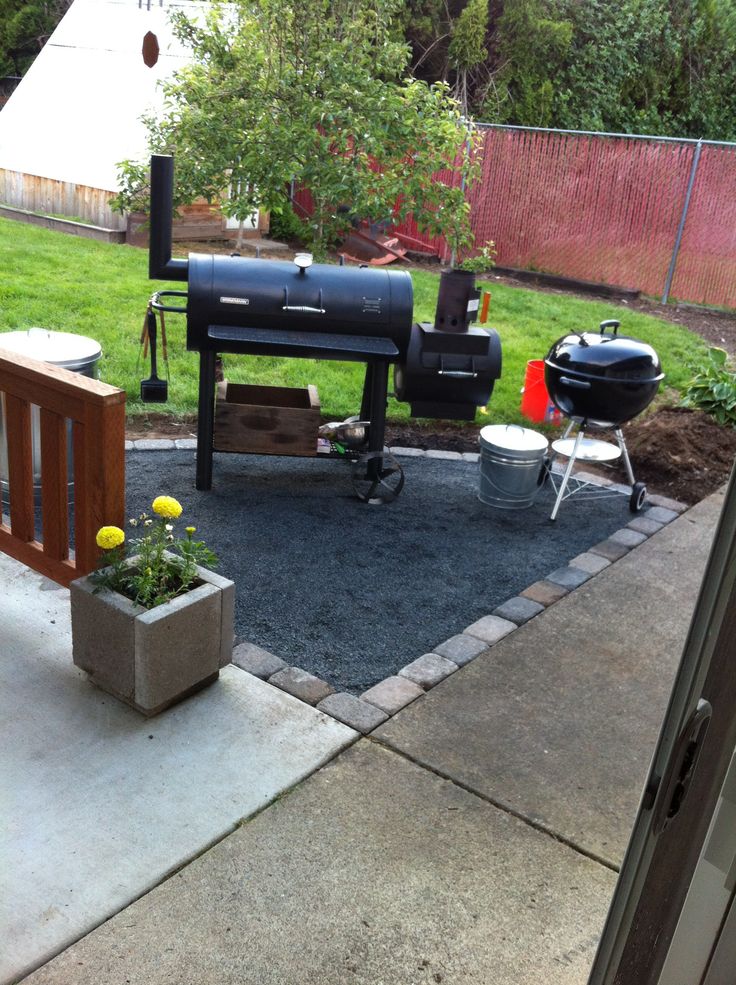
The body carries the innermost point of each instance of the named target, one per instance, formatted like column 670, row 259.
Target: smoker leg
column 365, row 405
column 377, row 374
column 206, row 419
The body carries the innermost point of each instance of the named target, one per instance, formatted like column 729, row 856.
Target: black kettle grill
column 601, row 380
column 361, row 314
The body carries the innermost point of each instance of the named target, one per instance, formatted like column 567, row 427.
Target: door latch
column 676, row 782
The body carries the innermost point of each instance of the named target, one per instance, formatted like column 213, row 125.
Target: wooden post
column 20, row 467
column 54, row 486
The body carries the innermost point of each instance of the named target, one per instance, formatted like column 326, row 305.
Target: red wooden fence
column 606, row 208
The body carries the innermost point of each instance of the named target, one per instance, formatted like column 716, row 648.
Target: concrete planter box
column 152, row 658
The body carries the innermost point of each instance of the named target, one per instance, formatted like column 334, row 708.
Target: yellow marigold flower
column 167, row 506
column 190, row 530
column 109, row 537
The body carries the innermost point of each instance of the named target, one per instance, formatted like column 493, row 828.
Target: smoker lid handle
column 156, row 301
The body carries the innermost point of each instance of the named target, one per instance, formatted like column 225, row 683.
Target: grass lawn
column 69, row 284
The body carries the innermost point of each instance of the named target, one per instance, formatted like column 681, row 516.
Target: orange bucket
column 535, row 401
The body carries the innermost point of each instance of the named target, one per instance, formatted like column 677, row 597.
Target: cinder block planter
column 152, row 658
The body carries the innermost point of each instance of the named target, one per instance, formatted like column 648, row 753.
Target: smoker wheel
column 638, row 497
column 377, row 478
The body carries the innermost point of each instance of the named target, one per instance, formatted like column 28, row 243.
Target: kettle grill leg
column 625, row 454
column 568, row 472
column 205, row 418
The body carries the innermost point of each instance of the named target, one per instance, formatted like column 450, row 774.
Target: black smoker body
column 321, row 311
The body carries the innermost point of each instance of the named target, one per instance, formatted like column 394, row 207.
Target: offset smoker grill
column 318, row 311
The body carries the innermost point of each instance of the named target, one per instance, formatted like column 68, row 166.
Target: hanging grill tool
column 154, row 390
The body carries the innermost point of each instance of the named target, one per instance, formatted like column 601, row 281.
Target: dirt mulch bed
column 679, row 453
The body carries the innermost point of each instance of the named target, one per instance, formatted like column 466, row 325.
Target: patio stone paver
column 301, row 684
column 590, row 562
column 545, row 592
column 428, row 670
column 154, row 444
column 257, row 661
column 613, row 550
column 569, row 577
column 597, row 480
column 446, row 455
column 393, row 694
column 628, row 537
column 644, row 525
column 460, row 648
column 346, row 708
column 519, row 610
column 668, row 504
column 490, row 629
column 408, row 452
column 661, row 515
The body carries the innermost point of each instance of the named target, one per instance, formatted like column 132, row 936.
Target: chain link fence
column 655, row 214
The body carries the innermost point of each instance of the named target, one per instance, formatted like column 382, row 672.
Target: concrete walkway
column 473, row 838
column 100, row 804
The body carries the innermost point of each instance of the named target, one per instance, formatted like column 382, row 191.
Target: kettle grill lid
column 603, row 356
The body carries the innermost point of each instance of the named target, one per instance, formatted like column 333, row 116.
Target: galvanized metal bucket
column 511, row 466
column 73, row 352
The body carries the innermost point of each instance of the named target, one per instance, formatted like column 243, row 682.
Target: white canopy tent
column 77, row 111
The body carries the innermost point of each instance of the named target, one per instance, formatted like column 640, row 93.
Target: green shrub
column 713, row 388
column 286, row 225
column 482, row 261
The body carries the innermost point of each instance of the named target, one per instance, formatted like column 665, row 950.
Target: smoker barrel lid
column 60, row 348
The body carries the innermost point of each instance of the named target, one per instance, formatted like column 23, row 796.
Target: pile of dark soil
column 681, row 453
column 676, row 452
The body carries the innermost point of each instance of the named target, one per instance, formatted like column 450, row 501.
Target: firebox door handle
column 303, row 307
column 458, row 374
column 575, row 384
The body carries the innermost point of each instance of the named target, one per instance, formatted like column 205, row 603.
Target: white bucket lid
column 59, row 348
column 513, row 437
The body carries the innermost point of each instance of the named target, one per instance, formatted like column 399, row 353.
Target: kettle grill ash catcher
column 298, row 309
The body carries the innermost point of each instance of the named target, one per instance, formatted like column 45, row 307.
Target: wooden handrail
column 97, row 412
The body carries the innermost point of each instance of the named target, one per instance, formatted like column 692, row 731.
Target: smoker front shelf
column 304, row 345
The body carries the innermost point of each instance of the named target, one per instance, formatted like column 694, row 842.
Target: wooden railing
column 97, row 412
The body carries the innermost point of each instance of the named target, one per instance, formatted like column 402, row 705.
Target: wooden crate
column 266, row 420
